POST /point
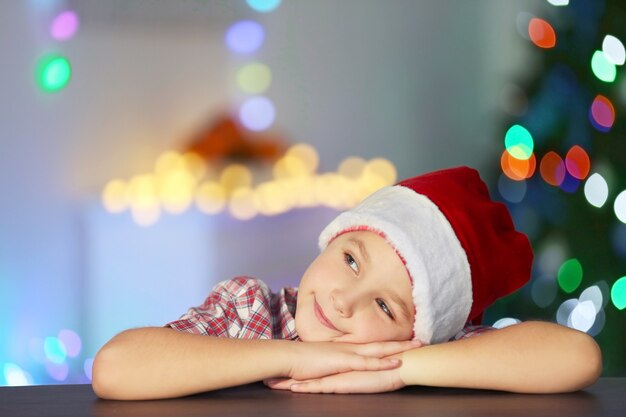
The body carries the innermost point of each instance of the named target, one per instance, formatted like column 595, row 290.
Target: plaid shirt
column 245, row 308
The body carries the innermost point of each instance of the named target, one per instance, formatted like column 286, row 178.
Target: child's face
column 360, row 285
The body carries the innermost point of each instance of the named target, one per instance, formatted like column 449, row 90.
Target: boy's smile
column 357, row 290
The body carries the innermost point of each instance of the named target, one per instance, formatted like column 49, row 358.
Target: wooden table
column 605, row 398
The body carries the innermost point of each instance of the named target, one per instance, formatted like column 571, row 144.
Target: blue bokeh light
column 263, row 6
column 245, row 36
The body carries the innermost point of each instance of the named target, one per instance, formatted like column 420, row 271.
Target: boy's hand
column 345, row 383
column 312, row 360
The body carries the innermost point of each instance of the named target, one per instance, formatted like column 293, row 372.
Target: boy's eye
column 351, row 262
column 384, row 308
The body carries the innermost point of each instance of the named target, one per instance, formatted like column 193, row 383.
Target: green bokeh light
column 519, row 142
column 602, row 67
column 53, row 73
column 570, row 275
column 618, row 293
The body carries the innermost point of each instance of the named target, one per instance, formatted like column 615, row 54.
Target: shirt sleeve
column 237, row 308
column 471, row 331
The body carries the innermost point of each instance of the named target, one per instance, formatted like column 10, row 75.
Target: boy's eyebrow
column 362, row 249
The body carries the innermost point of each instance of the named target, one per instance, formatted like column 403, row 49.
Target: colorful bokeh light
column 541, row 33
column 577, row 162
column 618, row 293
column 254, row 78
column 552, row 169
column 511, row 191
column 245, row 36
column 602, row 67
column 602, row 113
column 517, row 169
column 257, row 113
column 53, row 73
column 613, row 48
column 71, row 341
column 263, row 6
column 54, row 350
column 596, row 190
column 570, row 275
column 519, row 142
column 64, row 26
column 619, row 206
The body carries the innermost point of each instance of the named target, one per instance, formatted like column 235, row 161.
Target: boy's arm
column 530, row 357
column 148, row 363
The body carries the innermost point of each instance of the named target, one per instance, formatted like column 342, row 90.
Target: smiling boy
column 390, row 301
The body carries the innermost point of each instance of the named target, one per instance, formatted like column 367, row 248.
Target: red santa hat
column 460, row 248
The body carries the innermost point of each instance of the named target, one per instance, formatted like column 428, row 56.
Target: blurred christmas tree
column 563, row 172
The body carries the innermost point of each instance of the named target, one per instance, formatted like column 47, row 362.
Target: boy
column 411, row 267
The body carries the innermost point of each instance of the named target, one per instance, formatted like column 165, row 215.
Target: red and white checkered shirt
column 245, row 308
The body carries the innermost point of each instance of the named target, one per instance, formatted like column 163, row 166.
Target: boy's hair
column 460, row 248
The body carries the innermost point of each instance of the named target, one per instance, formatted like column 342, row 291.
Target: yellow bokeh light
column 115, row 196
column 289, row 167
column 383, row 168
column 271, row 198
column 195, row 164
column 304, row 189
column 368, row 183
column 169, row 161
column 254, row 78
column 307, row 154
column 175, row 190
column 142, row 188
column 210, row 198
column 145, row 214
column 351, row 167
column 235, row 176
column 242, row 205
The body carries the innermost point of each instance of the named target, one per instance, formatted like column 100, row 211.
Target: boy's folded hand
column 310, row 360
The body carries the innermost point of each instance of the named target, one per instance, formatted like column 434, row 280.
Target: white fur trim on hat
column 419, row 232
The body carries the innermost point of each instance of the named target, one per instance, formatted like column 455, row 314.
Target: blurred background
column 150, row 149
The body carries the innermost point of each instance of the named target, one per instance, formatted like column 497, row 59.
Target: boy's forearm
column 531, row 357
column 161, row 363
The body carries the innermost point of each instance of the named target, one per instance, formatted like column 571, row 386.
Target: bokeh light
column 87, row 368
column 577, row 162
column 613, row 48
column 210, row 197
column 593, row 294
column 618, row 293
column 519, row 142
column 596, row 190
column 257, row 113
column 235, row 176
column 53, row 73
column 559, row 2
column 382, row 168
column 64, row 25
column 541, row 33
column 518, row 169
column 543, row 291
column 245, row 36
column 602, row 114
column 564, row 311
column 619, row 206
column 54, row 350
column 505, row 322
column 242, row 205
column 583, row 316
column 145, row 208
column 71, row 341
column 602, row 67
column 570, row 275
column 552, row 168
column 511, row 191
column 263, row 6
column 58, row 371
column 254, row 78
column 15, row 376
column 352, row 167
column 307, row 154
column 115, row 196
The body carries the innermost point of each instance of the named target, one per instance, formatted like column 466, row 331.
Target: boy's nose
column 345, row 301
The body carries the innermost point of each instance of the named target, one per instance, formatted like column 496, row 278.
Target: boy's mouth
column 319, row 313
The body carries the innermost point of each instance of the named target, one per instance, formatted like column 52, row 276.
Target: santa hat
column 460, row 248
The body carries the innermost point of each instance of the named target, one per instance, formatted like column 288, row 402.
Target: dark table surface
column 605, row 398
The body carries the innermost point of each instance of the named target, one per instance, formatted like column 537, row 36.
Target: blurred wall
column 417, row 82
